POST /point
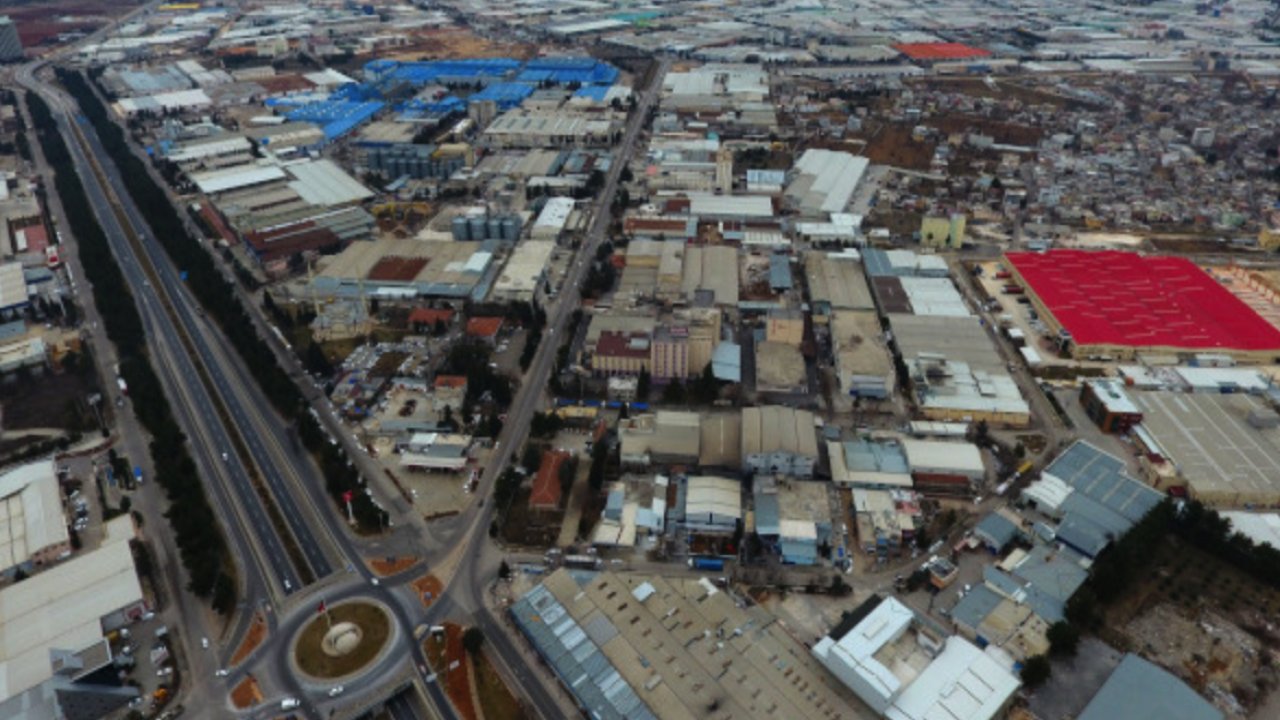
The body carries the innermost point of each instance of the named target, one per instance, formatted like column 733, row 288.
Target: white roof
column 1211, row 378
column 961, row 682
column 524, row 268
column 197, row 151
column 322, row 182
column 13, row 285
column 797, row 530
column 63, row 608
column 232, row 178
column 175, row 100
column 554, row 214
column 714, row 495
column 328, row 77
column 738, row 205
column 935, row 296
column 31, row 517
column 1048, row 493
column 825, row 179
column 1259, row 527
column 942, row 455
column 853, row 656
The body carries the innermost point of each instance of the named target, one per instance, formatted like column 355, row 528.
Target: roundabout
column 343, row 640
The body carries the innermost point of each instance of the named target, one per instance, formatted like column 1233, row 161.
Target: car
column 164, row 672
column 336, row 690
column 147, row 616
column 288, row 586
column 225, row 457
column 374, row 581
column 204, row 643
column 290, row 704
column 221, row 672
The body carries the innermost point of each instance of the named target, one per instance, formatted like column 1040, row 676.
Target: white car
column 204, row 643
column 221, row 672
column 336, row 690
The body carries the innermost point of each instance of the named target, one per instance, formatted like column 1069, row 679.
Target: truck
column 584, row 562
column 137, row 474
column 706, row 563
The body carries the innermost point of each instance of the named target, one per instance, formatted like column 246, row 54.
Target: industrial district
column 473, row 360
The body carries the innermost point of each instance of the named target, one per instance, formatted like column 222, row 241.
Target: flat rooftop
column 682, row 648
column 1225, row 461
column 1125, row 299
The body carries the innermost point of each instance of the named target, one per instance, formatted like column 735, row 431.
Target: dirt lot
column 390, row 566
column 891, row 144
column 457, row 682
column 246, row 694
column 456, row 42
column 40, row 20
column 252, row 639
column 1204, row 621
column 48, row 401
column 428, row 584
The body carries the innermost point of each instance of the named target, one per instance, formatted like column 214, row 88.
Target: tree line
column 196, row 531
column 218, row 297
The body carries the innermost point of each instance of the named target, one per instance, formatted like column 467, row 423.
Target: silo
column 511, row 228
column 495, row 228
column 477, row 226
column 460, row 228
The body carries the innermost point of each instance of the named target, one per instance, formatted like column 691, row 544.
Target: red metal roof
column 451, row 381
column 1125, row 299
column 429, row 316
column 485, row 327
column 615, row 344
column 546, row 484
column 940, row 51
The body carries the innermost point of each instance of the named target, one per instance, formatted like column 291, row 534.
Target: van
column 289, row 704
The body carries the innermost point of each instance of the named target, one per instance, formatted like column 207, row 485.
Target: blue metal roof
column 506, row 94
column 337, row 118
column 726, row 362
column 593, row 92
column 779, row 272
column 767, row 514
column 866, row 456
column 563, row 70
column 975, row 606
column 997, row 529
column 1140, row 689
column 798, row 553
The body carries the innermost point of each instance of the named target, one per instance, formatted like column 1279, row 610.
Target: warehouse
column 403, row 267
column 779, row 440
column 1225, row 448
column 824, row 180
column 864, row 366
column 708, row 505
column 951, row 391
column 711, row 270
column 322, row 182
column 31, row 513
column 667, row 437
column 959, row 339
column 780, row 368
column 548, row 129
column 1139, row 688
column 942, row 457
column 730, row 207
column 905, row 670
column 595, row 632
column 239, row 177
column 1118, row 304
column 794, row 515
column 553, row 218
column 68, row 608
column 527, row 267
column 837, row 282
column 869, row 464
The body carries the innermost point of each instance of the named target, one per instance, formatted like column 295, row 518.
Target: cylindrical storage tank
column 460, row 228
column 477, row 227
column 495, row 228
column 511, row 228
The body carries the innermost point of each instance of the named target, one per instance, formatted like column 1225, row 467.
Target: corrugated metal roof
column 1139, row 689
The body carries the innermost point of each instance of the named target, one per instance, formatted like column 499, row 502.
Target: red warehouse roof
column 485, row 327
column 1125, row 299
column 940, row 51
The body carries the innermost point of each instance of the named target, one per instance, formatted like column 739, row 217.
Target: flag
column 320, row 610
column 346, row 497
